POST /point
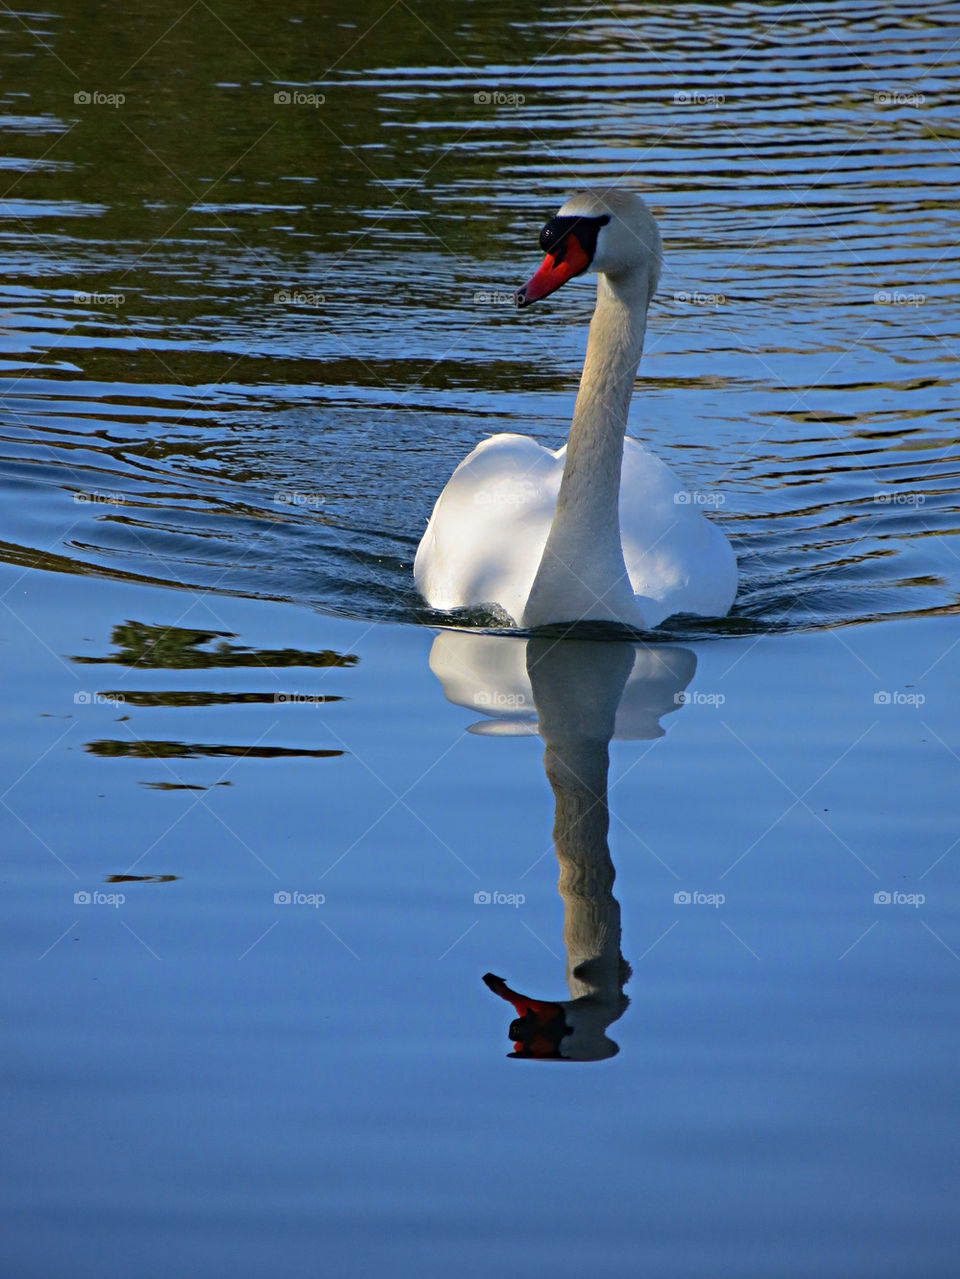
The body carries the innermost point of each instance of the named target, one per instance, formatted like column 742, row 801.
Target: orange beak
column 538, row 1029
column 556, row 269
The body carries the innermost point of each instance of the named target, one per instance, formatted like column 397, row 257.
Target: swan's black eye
column 554, row 234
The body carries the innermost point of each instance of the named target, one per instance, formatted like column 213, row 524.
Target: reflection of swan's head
column 540, row 1026
column 563, row 1030
column 607, row 230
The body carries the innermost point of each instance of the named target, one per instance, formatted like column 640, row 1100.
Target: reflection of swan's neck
column 591, row 921
column 583, row 558
column 577, row 688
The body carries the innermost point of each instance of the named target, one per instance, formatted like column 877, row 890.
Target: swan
column 601, row 529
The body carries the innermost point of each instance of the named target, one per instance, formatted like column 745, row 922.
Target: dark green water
column 246, row 341
column 256, row 263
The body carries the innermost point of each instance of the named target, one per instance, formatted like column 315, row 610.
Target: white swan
column 601, row 529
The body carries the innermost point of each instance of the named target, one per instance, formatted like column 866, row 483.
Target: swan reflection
column 578, row 695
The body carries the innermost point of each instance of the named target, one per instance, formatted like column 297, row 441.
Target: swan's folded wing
column 486, row 535
column 677, row 559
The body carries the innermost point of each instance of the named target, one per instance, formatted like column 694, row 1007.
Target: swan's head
column 607, row 230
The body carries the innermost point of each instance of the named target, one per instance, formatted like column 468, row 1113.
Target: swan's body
column 486, row 539
column 600, row 529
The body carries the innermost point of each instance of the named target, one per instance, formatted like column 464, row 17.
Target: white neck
column 582, row 573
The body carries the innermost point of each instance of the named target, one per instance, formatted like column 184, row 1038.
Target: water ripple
column 249, row 365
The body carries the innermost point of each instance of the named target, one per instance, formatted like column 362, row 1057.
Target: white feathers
column 486, row 536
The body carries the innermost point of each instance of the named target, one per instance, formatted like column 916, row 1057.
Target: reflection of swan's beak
column 540, row 1026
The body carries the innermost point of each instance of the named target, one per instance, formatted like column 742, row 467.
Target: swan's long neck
column 582, row 572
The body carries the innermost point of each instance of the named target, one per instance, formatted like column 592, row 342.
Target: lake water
column 267, row 822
